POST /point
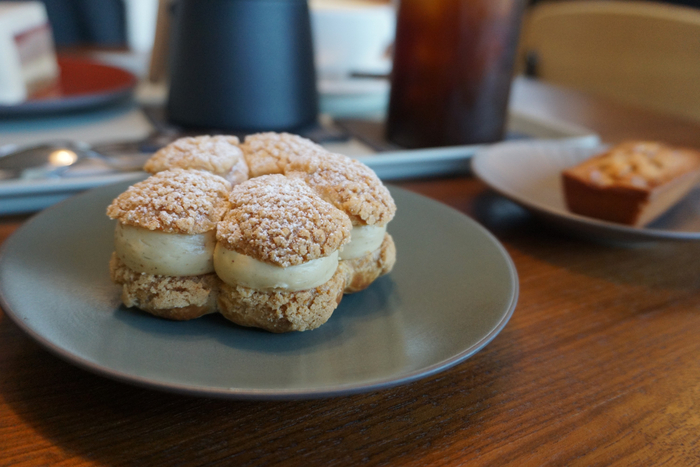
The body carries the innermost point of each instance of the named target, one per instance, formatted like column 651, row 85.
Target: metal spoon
column 53, row 159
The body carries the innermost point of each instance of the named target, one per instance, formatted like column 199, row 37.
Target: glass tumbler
column 452, row 71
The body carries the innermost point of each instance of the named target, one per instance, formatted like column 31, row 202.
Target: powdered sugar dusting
column 348, row 184
column 175, row 201
column 217, row 154
column 282, row 221
column 268, row 153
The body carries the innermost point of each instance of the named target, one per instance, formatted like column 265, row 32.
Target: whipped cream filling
column 363, row 240
column 236, row 269
column 162, row 253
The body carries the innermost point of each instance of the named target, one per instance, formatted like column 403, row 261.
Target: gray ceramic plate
column 529, row 173
column 453, row 289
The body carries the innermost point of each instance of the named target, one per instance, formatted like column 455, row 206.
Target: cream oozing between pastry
column 363, row 240
column 236, row 269
column 161, row 253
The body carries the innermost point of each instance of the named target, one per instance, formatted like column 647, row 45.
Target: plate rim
column 632, row 233
column 335, row 390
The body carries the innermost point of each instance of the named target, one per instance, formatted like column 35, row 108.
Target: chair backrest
column 643, row 53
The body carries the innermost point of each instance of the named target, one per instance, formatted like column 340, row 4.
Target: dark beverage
column 453, row 64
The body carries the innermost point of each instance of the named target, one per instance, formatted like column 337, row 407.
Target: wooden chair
column 643, row 53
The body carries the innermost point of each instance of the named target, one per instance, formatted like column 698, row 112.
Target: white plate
column 453, row 289
column 529, row 173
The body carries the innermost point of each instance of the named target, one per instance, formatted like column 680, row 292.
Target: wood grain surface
column 599, row 364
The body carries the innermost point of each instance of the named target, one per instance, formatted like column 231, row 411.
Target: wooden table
column 599, row 365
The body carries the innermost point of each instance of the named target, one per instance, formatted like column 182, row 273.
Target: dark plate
column 83, row 84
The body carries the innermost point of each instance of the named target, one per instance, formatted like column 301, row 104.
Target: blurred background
column 644, row 53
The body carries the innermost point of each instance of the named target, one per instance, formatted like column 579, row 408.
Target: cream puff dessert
column 164, row 242
column 355, row 189
column 278, row 255
column 219, row 155
column 275, row 251
column 269, row 153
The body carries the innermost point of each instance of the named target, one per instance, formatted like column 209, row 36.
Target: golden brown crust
column 362, row 271
column 281, row 221
column 637, row 165
column 347, row 184
column 219, row 155
column 175, row 201
column 278, row 311
column 177, row 298
column 632, row 183
column 268, row 153
column 300, row 206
